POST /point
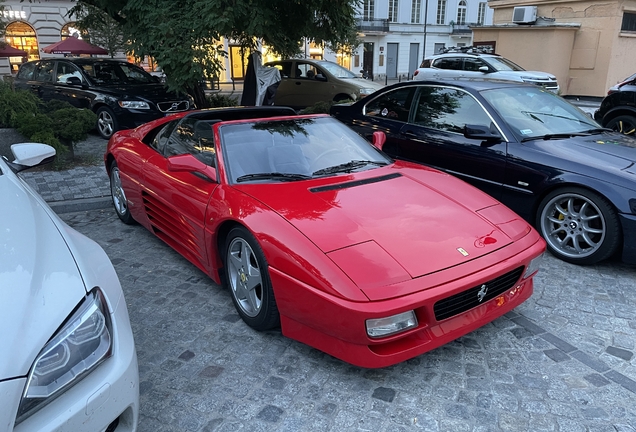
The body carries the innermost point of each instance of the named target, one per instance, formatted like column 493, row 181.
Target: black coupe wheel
column 624, row 124
column 247, row 275
column 106, row 122
column 578, row 225
column 119, row 196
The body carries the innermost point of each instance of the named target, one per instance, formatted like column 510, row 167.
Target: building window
column 368, row 10
column 441, row 11
column 393, row 10
column 481, row 13
column 629, row 22
column 461, row 13
column 69, row 30
column 21, row 35
column 416, row 11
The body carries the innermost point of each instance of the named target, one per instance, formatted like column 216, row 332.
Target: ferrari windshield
column 532, row 112
column 294, row 149
column 116, row 73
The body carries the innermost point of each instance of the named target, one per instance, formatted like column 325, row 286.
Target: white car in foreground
column 67, row 355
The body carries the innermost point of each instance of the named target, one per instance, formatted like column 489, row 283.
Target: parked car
column 305, row 82
column 316, row 231
column 480, row 65
column 618, row 108
column 122, row 94
column 68, row 359
column 538, row 154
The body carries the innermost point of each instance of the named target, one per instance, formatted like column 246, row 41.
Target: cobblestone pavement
column 562, row 361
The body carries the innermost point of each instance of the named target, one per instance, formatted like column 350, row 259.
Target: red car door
column 175, row 202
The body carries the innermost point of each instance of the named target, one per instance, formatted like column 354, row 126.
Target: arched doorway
column 22, row 36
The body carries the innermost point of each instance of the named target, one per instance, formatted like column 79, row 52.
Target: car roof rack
column 468, row 50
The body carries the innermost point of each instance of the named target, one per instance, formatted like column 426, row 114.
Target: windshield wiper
column 348, row 167
column 273, row 176
column 595, row 131
column 547, row 137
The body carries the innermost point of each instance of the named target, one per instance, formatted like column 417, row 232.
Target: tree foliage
column 184, row 36
column 102, row 30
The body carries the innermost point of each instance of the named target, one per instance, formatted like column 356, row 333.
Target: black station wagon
column 122, row 95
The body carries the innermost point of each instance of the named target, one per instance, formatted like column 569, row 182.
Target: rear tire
column 119, row 196
column 624, row 124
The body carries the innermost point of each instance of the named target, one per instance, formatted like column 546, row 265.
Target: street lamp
column 425, row 17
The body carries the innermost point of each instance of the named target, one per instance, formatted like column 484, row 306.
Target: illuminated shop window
column 22, row 36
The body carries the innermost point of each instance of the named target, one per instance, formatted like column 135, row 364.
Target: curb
column 80, row 205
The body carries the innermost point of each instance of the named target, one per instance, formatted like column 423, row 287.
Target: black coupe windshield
column 294, row 149
column 114, row 73
column 533, row 113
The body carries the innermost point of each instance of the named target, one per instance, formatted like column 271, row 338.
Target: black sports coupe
column 538, row 154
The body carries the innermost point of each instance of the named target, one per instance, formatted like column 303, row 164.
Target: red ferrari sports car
column 315, row 230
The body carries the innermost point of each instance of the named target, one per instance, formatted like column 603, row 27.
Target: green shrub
column 14, row 103
column 47, row 137
column 71, row 125
column 218, row 100
column 29, row 124
column 53, row 105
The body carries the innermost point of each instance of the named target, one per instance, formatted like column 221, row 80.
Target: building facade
column 398, row 34
column 588, row 45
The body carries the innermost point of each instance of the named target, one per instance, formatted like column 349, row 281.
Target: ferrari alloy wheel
column 119, row 196
column 578, row 225
column 624, row 124
column 247, row 275
column 106, row 122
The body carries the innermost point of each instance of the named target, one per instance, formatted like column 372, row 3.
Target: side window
column 305, row 70
column 44, row 71
column 448, row 110
column 473, row 64
column 394, row 105
column 453, row 63
column 192, row 136
column 284, row 68
column 65, row 71
column 26, row 71
column 161, row 136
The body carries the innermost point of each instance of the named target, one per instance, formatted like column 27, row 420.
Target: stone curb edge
column 79, row 205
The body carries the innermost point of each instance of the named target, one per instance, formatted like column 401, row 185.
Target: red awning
column 72, row 45
column 9, row 51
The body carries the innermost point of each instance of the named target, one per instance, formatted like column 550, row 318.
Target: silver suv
column 475, row 64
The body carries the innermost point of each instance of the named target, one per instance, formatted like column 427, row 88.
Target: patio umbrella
column 9, row 51
column 72, row 45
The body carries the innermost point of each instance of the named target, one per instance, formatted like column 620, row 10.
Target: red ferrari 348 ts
column 315, row 230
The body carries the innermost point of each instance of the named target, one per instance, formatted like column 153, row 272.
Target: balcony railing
column 462, row 28
column 373, row 25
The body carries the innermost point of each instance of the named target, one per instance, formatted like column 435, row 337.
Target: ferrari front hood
column 422, row 229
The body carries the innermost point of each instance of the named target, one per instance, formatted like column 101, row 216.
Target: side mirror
column 29, row 155
column 320, row 77
column 379, row 138
column 188, row 163
column 73, row 81
column 481, row 132
column 484, row 69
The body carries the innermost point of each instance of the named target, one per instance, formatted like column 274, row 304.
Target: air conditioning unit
column 524, row 14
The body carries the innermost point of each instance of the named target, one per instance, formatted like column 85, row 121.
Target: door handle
column 297, row 82
column 409, row 134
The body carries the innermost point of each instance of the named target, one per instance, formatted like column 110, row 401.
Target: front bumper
column 108, row 395
column 337, row 326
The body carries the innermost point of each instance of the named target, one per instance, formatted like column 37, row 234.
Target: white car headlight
column 381, row 327
column 82, row 343
column 534, row 266
column 134, row 104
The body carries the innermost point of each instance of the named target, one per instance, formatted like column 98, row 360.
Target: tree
column 102, row 30
column 184, row 36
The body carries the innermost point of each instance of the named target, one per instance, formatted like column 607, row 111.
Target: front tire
column 624, row 124
column 106, row 122
column 578, row 225
column 119, row 196
column 247, row 275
